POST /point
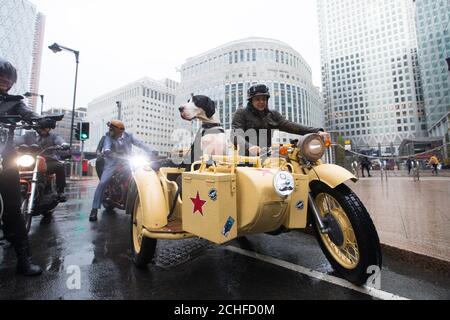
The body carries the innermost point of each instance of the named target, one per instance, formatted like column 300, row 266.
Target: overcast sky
column 122, row 41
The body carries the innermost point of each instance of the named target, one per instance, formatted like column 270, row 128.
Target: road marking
column 376, row 293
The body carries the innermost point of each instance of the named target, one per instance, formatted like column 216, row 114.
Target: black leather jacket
column 270, row 120
column 13, row 105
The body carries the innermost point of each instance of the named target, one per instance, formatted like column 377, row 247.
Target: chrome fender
column 331, row 174
column 152, row 198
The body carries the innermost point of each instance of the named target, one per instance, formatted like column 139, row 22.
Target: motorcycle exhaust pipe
column 322, row 228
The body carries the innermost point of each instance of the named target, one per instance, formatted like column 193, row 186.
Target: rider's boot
column 93, row 215
column 25, row 264
column 61, row 195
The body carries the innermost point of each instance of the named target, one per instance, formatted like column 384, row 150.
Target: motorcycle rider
column 44, row 138
column 14, row 225
column 117, row 146
column 258, row 116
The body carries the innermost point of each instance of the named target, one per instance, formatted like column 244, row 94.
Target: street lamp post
column 57, row 48
column 30, row 94
column 119, row 110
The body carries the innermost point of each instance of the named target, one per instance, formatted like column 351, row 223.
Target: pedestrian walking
column 365, row 165
column 409, row 165
column 434, row 162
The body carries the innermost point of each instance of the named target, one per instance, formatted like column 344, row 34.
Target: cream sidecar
column 224, row 201
column 212, row 204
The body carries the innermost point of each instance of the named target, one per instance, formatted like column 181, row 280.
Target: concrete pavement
column 408, row 215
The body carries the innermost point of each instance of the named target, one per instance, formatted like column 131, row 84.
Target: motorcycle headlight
column 312, row 147
column 25, row 161
column 283, row 183
column 139, row 162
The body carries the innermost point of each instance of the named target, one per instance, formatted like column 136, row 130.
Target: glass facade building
column 225, row 73
column 433, row 37
column 370, row 76
column 17, row 32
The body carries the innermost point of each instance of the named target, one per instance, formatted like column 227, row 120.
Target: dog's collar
column 211, row 128
column 210, row 125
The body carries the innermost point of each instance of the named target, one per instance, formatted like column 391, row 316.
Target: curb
column 420, row 260
column 402, row 255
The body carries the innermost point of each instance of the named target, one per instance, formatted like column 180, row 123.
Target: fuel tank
column 259, row 208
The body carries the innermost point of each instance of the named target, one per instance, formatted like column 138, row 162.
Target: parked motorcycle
column 233, row 196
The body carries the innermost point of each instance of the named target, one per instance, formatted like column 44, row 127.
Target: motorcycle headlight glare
column 25, row 161
column 312, row 147
column 139, row 162
column 283, row 183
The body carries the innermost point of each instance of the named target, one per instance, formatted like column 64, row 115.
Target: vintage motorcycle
column 8, row 124
column 116, row 192
column 233, row 196
column 38, row 188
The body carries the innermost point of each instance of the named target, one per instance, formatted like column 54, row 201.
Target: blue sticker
column 212, row 194
column 227, row 227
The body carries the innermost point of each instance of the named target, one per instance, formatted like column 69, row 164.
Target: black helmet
column 258, row 90
column 8, row 70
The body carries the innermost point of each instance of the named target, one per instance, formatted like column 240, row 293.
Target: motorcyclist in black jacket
column 13, row 223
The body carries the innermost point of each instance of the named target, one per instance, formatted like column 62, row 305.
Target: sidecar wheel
column 142, row 248
column 353, row 245
column 26, row 216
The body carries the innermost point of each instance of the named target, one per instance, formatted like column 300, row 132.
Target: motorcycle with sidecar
column 225, row 197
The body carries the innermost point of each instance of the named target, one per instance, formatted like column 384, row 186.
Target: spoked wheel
column 352, row 244
column 27, row 217
column 142, row 248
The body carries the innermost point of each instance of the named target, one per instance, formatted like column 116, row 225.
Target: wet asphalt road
column 69, row 245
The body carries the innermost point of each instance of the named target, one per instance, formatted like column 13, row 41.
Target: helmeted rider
column 44, row 138
column 258, row 116
column 14, row 225
column 116, row 147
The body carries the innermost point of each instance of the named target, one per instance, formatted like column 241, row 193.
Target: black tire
column 27, row 217
column 147, row 249
column 108, row 205
column 363, row 228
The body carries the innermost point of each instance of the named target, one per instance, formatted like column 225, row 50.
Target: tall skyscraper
column 433, row 37
column 17, row 31
column 36, row 62
column 371, row 81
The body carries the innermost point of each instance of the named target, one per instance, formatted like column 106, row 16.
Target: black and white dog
column 213, row 138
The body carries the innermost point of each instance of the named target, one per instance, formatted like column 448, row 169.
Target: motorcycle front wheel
column 352, row 245
column 27, row 217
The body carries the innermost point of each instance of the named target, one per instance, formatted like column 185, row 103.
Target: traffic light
column 77, row 130
column 84, row 133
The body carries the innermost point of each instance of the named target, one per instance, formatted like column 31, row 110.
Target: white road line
column 376, row 293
